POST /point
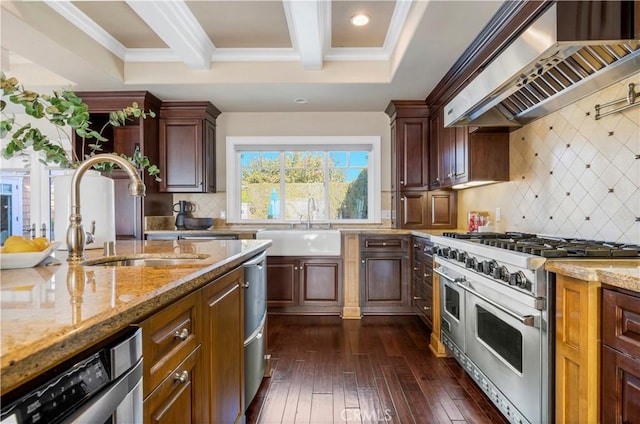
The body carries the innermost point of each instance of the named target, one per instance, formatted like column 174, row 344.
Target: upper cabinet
column 188, row 147
column 466, row 156
column 139, row 134
column 412, row 205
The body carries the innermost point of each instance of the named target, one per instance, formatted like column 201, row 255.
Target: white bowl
column 25, row 259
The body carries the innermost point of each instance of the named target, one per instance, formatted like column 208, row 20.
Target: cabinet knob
column 181, row 334
column 426, row 308
column 295, row 268
column 417, row 298
column 426, row 274
column 401, row 182
column 363, row 261
column 181, row 377
column 449, row 175
column 415, row 268
column 245, row 285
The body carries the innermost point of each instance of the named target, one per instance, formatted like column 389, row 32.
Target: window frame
column 237, row 144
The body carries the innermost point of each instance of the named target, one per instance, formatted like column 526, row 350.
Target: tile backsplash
column 571, row 175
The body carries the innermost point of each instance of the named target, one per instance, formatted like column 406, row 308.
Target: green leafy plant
column 64, row 109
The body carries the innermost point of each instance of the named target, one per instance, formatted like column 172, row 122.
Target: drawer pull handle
column 417, row 298
column 426, row 274
column 426, row 308
column 182, row 377
column 181, row 334
column 415, row 268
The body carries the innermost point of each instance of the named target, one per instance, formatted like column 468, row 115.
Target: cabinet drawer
column 167, row 338
column 621, row 322
column 423, row 299
column 386, row 243
column 176, row 399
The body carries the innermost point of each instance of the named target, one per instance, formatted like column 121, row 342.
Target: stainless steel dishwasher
column 255, row 318
column 103, row 386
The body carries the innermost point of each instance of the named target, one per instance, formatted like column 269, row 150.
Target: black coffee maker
column 184, row 209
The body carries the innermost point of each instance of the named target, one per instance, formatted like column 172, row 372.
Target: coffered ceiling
column 254, row 55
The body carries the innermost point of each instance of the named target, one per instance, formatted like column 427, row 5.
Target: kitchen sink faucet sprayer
column 76, row 236
column 311, row 207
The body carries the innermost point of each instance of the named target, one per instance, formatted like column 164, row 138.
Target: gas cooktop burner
column 551, row 247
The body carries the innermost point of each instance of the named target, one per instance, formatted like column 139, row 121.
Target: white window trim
column 236, row 144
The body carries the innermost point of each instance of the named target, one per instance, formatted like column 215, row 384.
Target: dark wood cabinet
column 464, row 154
column 188, row 147
column 385, row 274
column 304, row 285
column 620, row 357
column 411, row 163
column 422, row 279
column 223, row 347
column 442, row 209
column 139, row 134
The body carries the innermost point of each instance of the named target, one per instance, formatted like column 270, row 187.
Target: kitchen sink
column 302, row 242
column 146, row 260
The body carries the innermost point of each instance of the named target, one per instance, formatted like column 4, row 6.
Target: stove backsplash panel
column 571, row 175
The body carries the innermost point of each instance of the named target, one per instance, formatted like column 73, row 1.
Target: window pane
column 260, row 185
column 348, row 187
column 304, row 185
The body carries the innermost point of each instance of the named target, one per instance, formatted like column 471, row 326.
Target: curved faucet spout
column 76, row 236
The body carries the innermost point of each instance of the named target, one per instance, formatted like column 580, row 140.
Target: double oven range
column 497, row 312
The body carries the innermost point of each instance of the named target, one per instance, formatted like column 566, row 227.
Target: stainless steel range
column 496, row 312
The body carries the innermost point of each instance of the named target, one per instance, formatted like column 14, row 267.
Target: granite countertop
column 51, row 313
column 623, row 273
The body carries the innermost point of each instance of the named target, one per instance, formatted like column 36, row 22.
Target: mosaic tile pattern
column 571, row 175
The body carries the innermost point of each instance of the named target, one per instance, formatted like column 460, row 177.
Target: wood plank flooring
column 375, row 370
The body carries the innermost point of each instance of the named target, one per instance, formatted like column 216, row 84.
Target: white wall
column 571, row 175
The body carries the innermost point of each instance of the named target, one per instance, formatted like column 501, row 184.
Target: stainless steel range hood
column 545, row 68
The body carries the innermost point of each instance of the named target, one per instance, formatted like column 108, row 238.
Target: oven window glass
column 452, row 302
column 505, row 340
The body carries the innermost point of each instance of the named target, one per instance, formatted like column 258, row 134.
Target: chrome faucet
column 311, row 207
column 76, row 236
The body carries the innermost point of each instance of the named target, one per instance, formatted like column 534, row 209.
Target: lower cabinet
column 304, row 285
column 384, row 274
column 577, row 349
column 422, row 279
column 223, row 350
column 620, row 357
column 193, row 350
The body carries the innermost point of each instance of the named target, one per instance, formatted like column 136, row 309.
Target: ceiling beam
column 308, row 23
column 179, row 29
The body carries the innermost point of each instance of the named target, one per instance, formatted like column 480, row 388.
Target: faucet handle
column 90, row 235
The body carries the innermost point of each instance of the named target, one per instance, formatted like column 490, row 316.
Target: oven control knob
column 462, row 257
column 518, row 279
column 497, row 272
column 480, row 266
column 443, row 251
column 504, row 274
column 453, row 254
column 470, row 262
column 489, row 266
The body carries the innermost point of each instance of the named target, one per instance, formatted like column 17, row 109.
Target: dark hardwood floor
column 375, row 370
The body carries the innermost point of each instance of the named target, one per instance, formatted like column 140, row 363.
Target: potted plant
column 62, row 109
column 67, row 112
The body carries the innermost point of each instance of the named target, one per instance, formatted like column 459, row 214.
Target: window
column 292, row 179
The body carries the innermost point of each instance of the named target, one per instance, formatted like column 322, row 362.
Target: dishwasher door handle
column 105, row 404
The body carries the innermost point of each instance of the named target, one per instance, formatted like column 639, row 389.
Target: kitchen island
column 52, row 313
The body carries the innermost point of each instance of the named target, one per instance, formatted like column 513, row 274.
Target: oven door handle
column 446, row 277
column 528, row 320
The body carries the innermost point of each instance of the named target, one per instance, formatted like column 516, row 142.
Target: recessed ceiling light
column 301, row 100
column 360, row 19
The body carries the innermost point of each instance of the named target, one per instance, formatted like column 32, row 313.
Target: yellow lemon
column 17, row 244
column 41, row 243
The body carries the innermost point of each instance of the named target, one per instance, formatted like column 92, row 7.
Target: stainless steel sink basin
column 146, row 260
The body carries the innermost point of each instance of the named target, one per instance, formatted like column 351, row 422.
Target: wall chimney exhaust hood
column 572, row 50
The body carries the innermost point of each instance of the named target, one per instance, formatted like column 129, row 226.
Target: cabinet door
column 321, row 281
column 210, row 156
column 446, row 153
column 182, row 155
column 179, row 398
column 128, row 208
column 282, row 281
column 412, row 152
column 460, row 154
column 443, row 209
column 385, row 283
column 620, row 387
column 223, row 347
column 434, row 151
column 413, row 209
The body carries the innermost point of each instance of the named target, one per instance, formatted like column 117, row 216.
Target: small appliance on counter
column 184, row 210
